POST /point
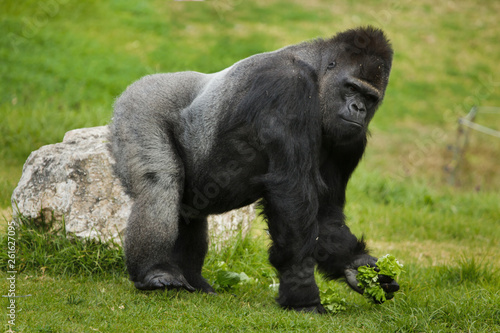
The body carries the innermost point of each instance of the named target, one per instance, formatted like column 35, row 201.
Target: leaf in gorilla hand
column 368, row 277
column 389, row 266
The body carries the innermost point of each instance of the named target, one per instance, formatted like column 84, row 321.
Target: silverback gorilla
column 287, row 127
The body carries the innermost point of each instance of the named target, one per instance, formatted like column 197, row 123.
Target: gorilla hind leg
column 150, row 237
column 154, row 176
column 190, row 250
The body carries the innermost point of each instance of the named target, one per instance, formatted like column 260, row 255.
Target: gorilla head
column 287, row 127
column 354, row 83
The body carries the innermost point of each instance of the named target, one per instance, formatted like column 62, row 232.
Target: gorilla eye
column 351, row 89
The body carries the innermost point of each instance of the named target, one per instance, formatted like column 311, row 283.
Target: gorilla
column 287, row 128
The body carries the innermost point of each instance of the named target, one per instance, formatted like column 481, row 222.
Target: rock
column 225, row 226
column 74, row 181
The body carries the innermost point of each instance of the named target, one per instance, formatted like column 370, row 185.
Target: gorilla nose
column 357, row 107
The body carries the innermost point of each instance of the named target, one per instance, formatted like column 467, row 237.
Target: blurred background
column 63, row 62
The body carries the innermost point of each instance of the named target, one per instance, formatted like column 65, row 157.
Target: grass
column 64, row 63
column 91, row 292
column 83, row 305
column 43, row 246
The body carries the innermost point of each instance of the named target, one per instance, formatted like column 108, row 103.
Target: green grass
column 85, row 305
column 64, row 62
column 41, row 245
column 81, row 285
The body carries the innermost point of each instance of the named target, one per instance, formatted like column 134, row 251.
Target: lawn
column 64, row 62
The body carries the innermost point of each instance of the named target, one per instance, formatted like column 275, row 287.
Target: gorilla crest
column 287, row 128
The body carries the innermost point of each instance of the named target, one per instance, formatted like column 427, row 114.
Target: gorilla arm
column 338, row 252
column 282, row 106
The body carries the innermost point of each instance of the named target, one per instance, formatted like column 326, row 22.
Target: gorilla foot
column 200, row 284
column 164, row 280
column 207, row 289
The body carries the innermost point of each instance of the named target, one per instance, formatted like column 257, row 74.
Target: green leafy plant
column 369, row 279
column 332, row 302
column 225, row 279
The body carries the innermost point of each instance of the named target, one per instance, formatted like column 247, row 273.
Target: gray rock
column 74, row 181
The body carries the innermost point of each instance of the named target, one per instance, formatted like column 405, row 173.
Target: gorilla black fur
column 287, row 127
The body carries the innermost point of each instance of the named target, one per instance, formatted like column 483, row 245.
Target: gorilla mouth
column 355, row 123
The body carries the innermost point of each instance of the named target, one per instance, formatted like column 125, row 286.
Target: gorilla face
column 351, row 93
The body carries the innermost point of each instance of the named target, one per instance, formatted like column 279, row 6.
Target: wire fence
column 465, row 125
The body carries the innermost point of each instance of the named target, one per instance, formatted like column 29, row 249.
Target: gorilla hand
column 388, row 285
column 386, row 282
column 352, row 270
